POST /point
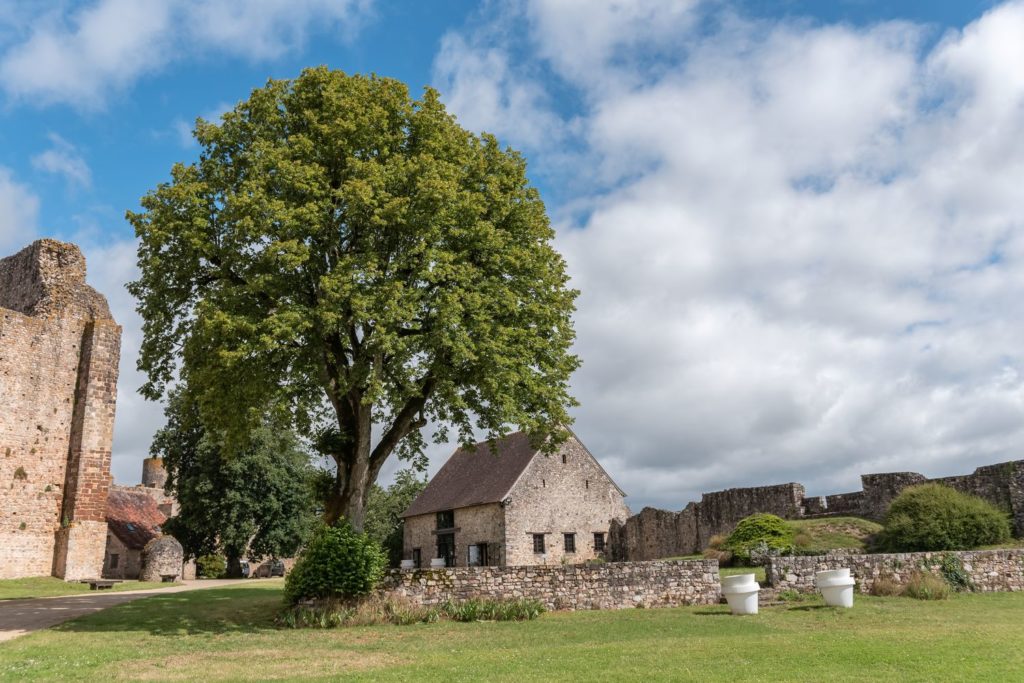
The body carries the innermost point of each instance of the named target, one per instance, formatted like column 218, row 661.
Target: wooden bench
column 100, row 584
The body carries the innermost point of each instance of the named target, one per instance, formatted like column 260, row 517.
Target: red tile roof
column 134, row 517
column 475, row 476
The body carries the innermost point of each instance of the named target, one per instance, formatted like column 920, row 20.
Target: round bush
column 936, row 517
column 338, row 562
column 211, row 566
column 760, row 531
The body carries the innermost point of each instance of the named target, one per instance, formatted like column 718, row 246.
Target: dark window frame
column 446, row 549
column 417, row 557
column 115, row 559
column 569, row 541
column 600, row 542
column 482, row 554
column 539, row 547
column 445, row 519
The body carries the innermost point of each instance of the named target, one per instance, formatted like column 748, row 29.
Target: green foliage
column 354, row 256
column 374, row 610
column 338, row 562
column 759, row 534
column 383, row 508
column 818, row 536
column 937, row 517
column 211, row 566
column 256, row 502
column 952, row 570
column 926, row 586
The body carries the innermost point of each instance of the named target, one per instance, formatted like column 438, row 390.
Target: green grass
column 49, row 586
column 227, row 634
column 830, row 533
column 758, row 572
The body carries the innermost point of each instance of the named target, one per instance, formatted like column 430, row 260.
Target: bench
column 168, row 578
column 100, row 584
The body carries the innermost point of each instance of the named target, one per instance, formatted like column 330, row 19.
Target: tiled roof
column 475, row 476
column 133, row 516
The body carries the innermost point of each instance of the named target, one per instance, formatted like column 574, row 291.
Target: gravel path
column 24, row 615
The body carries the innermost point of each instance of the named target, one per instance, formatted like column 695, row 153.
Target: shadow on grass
column 806, row 608
column 234, row 610
column 711, row 613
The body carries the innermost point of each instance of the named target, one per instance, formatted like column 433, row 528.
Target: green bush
column 211, row 566
column 926, row 586
column 337, row 563
column 936, row 517
column 761, row 534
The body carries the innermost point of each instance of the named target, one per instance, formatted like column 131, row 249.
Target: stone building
column 514, row 506
column 59, row 352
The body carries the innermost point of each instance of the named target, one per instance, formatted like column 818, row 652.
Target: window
column 477, row 555
column 543, row 483
column 563, row 458
column 599, row 541
column 538, row 543
column 416, row 557
column 570, row 543
column 587, row 483
column 114, row 559
column 446, row 519
column 446, row 548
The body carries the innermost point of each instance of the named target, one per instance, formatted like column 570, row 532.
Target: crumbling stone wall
column 59, row 352
column 569, row 587
column 163, row 556
column 988, row 570
column 654, row 534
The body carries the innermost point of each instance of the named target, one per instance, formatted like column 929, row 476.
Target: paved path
column 24, row 615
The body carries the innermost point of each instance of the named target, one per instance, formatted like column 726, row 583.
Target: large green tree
column 355, row 255
column 256, row 501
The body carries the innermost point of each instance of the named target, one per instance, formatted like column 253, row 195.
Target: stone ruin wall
column 988, row 570
column 654, row 534
column 615, row 585
column 59, row 352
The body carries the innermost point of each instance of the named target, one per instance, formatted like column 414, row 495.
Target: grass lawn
column 49, row 586
column 227, row 634
column 829, row 533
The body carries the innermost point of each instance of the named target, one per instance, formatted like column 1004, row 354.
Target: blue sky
column 794, row 223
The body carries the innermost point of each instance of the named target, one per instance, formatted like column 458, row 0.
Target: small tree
column 760, row 531
column 937, row 517
column 256, row 502
column 383, row 508
column 338, row 562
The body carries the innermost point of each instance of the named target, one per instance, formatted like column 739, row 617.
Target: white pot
column 408, row 564
column 836, row 586
column 740, row 592
column 436, row 562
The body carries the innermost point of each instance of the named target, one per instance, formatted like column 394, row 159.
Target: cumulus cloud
column 79, row 56
column 19, row 211
column 62, row 158
column 799, row 245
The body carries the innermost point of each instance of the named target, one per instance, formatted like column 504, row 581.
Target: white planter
column 836, row 586
column 408, row 564
column 436, row 562
column 740, row 592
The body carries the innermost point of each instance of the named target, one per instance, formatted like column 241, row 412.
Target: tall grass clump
column 926, row 586
column 376, row 610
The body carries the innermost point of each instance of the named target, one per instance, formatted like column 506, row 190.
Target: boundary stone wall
column 611, row 585
column 989, row 570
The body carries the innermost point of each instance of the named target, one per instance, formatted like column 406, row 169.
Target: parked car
column 276, row 568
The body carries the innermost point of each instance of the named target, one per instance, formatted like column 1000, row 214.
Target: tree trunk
column 234, row 568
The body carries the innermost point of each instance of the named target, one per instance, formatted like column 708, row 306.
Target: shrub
column 374, row 610
column 211, row 566
column 338, row 562
column 717, row 542
column 926, row 586
column 724, row 557
column 762, row 534
column 952, row 570
column 936, row 517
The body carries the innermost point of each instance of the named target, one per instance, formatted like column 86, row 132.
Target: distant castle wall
column 59, row 352
column 654, row 534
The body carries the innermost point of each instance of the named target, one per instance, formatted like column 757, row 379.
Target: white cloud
column 62, row 158
column 800, row 247
column 80, row 56
column 19, row 211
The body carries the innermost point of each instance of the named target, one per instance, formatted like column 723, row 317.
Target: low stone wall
column 989, row 570
column 612, row 585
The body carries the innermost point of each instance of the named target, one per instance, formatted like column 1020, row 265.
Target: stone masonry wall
column 473, row 525
column 570, row 587
column 59, row 351
column 654, row 534
column 553, row 498
column 989, row 570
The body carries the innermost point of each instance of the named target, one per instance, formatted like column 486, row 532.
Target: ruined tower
column 59, row 352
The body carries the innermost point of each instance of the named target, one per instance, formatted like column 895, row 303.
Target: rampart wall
column 59, row 352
